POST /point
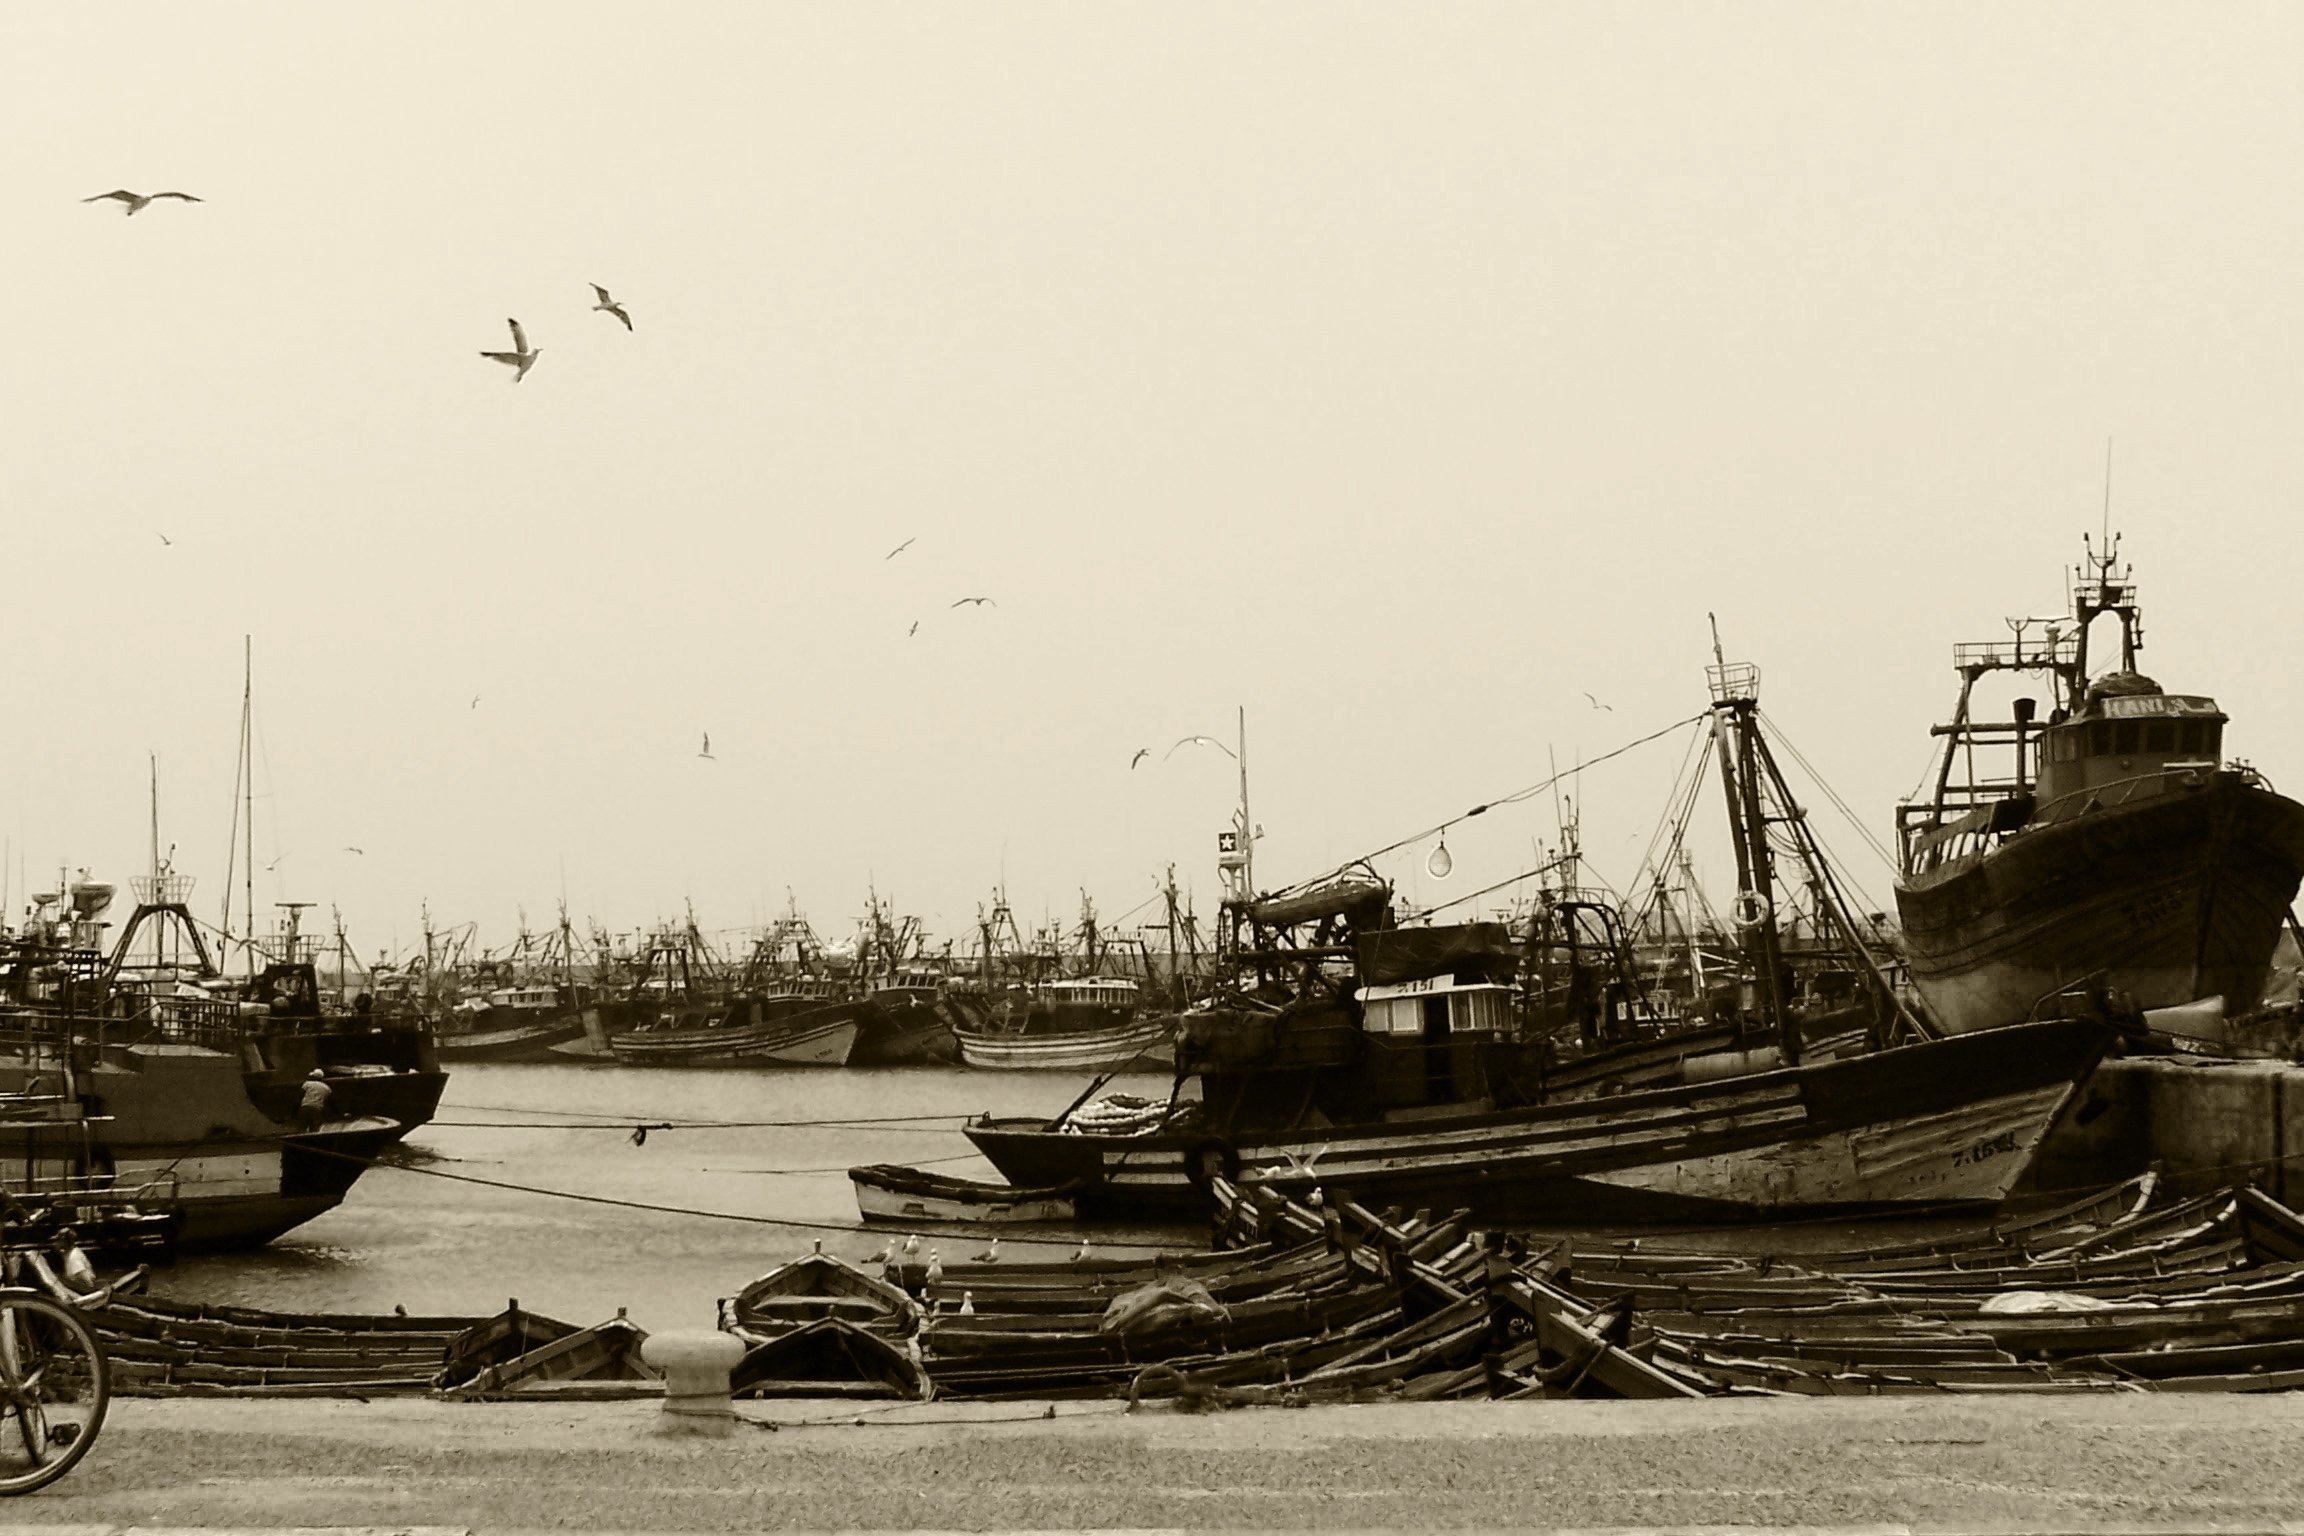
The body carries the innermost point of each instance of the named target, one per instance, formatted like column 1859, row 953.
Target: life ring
column 1750, row 909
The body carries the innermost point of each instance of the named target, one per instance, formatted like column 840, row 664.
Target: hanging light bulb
column 1441, row 860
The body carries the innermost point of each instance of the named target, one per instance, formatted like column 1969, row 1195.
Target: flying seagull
column 979, row 601
column 899, row 549
column 521, row 358
column 707, row 752
column 348, row 848
column 915, row 629
column 475, row 701
column 1206, row 741
column 611, row 306
column 137, row 201
column 1596, row 704
column 1141, row 754
column 163, row 538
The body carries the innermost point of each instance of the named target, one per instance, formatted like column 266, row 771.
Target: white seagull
column 521, row 358
column 611, row 306
column 990, row 1255
column 137, row 202
column 911, row 1244
column 1080, row 1254
column 935, row 1267
column 967, row 1303
column 879, row 1258
column 1206, row 741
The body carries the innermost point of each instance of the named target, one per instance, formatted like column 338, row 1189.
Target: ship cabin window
column 1394, row 1016
column 2124, row 735
column 2160, row 736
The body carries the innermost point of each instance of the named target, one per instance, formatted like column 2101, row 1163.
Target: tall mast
column 248, row 790
column 1247, row 827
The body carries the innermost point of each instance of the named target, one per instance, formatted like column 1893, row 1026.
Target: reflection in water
column 406, row 1237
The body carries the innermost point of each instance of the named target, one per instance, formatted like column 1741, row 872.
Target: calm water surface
column 407, row 1237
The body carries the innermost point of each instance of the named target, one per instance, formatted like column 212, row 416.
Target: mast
column 1735, row 698
column 1247, row 827
column 248, row 791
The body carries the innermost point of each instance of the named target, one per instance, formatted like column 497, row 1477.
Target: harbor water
column 771, row 1148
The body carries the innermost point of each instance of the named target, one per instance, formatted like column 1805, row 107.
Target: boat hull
column 818, row 1037
column 2171, row 899
column 910, row 1029
column 522, row 1039
column 1142, row 1044
column 907, row 1195
column 1949, row 1122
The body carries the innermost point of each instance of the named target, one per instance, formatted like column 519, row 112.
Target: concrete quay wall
column 2204, row 1122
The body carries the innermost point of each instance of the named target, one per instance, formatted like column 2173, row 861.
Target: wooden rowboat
column 891, row 1192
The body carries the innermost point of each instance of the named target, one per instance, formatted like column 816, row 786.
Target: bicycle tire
column 53, row 1345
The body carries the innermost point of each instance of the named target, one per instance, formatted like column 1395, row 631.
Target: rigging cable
column 1485, row 806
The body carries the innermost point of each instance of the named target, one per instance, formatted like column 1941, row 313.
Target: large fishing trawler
column 2115, row 849
column 1391, row 1065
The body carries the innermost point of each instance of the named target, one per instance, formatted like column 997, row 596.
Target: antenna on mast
column 2107, row 491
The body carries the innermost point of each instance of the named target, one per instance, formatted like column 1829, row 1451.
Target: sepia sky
column 1398, row 372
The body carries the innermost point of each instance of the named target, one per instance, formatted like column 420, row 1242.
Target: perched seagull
column 611, row 306
column 521, row 358
column 1141, row 754
column 979, row 601
column 137, row 201
column 1206, row 741
column 1596, row 704
column 967, row 1303
column 707, row 752
column 990, row 1255
column 881, row 1257
column 935, row 1267
column 1080, row 1254
column 163, row 538
column 899, row 549
column 911, row 1244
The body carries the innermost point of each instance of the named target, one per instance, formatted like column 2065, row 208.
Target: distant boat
column 523, row 1023
column 1080, row 1025
column 753, row 1032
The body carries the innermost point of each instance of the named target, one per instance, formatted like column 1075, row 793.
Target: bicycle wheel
column 54, row 1387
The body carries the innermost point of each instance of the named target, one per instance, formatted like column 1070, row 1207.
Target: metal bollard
column 695, row 1364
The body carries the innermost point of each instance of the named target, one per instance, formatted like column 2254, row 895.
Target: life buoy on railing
column 1750, row 909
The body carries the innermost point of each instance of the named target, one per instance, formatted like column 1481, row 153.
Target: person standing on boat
column 312, row 1107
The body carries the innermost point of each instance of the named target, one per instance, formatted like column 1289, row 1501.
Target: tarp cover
column 1468, row 951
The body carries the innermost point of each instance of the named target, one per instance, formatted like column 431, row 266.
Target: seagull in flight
column 979, row 601
column 1141, row 754
column 521, row 358
column 1206, row 741
column 899, row 549
column 137, row 201
column 915, row 629
column 475, row 701
column 163, row 538
column 707, row 752
column 348, row 848
column 1596, row 704
column 611, row 306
